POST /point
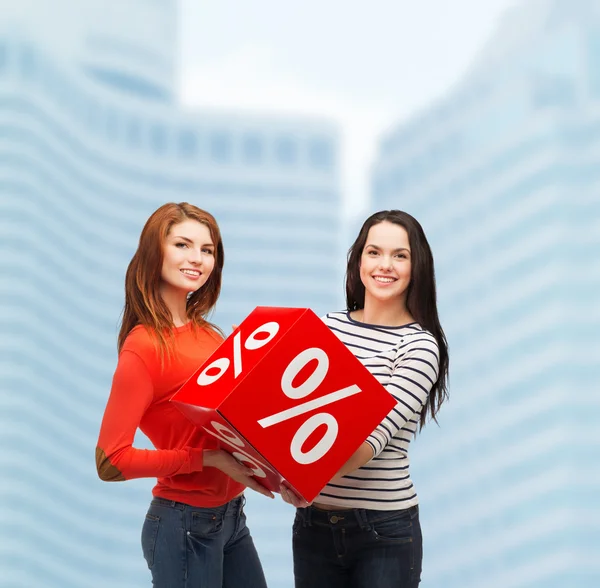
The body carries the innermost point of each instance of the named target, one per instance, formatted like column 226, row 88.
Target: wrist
column 211, row 457
column 196, row 459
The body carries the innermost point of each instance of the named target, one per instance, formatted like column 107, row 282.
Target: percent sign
column 302, row 391
column 253, row 342
column 259, row 338
column 226, row 435
column 269, row 330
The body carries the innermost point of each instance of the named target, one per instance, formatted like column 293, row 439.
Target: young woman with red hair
column 194, row 533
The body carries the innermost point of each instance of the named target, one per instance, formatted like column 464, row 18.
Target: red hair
column 143, row 302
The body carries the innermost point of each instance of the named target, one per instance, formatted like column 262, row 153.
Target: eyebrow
column 190, row 241
column 394, row 251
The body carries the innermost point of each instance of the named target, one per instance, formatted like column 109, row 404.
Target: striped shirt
column 405, row 360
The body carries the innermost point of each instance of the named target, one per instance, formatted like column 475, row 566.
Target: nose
column 385, row 262
column 195, row 255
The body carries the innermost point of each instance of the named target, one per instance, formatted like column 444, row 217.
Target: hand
column 292, row 498
column 217, row 458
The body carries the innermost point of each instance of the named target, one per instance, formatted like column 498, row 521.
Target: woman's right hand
column 289, row 496
column 217, row 458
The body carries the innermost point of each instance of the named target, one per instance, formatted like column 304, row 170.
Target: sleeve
column 415, row 372
column 116, row 459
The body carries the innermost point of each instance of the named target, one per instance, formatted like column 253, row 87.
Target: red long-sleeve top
column 139, row 397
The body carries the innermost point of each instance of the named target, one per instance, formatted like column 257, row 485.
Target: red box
column 287, row 398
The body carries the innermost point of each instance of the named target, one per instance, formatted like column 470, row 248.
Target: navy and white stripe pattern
column 406, row 361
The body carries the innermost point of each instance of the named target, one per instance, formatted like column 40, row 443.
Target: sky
column 366, row 66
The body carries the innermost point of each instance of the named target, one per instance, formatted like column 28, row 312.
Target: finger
column 299, row 501
column 291, row 498
column 234, row 327
column 241, row 469
column 254, row 485
column 284, row 494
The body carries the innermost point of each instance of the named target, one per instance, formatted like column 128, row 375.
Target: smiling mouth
column 384, row 280
column 191, row 273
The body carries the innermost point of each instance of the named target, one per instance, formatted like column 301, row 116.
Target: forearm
column 128, row 463
column 359, row 458
column 213, row 458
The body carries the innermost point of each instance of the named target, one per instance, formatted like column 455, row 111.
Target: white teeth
column 384, row 280
column 191, row 272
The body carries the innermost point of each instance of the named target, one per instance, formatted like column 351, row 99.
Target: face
column 188, row 257
column 385, row 264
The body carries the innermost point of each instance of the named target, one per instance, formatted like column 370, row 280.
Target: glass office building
column 504, row 175
column 92, row 140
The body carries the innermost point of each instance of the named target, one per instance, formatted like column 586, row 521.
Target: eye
column 181, row 245
column 401, row 255
column 207, row 251
column 372, row 252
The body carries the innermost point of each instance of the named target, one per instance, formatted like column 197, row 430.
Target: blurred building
column 504, row 174
column 91, row 142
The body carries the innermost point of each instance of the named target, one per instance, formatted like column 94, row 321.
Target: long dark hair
column 143, row 302
column 421, row 300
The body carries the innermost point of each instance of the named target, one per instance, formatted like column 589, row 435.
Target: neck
column 176, row 303
column 388, row 315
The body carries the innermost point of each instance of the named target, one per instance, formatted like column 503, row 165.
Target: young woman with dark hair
column 194, row 533
column 363, row 530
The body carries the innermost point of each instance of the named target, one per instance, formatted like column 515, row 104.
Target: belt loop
column 306, row 518
column 361, row 517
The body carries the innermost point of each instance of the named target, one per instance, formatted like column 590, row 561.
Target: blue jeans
column 357, row 548
column 191, row 547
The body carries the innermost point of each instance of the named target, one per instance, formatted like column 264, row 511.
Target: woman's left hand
column 289, row 496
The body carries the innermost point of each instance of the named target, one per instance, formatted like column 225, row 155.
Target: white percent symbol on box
column 226, row 435
column 254, row 341
column 303, row 390
column 259, row 338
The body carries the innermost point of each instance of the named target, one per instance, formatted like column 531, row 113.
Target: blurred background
column 291, row 122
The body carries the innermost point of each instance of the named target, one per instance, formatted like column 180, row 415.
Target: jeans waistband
column 353, row 517
column 233, row 506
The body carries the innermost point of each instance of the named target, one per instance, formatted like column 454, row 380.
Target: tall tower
column 84, row 159
column 504, row 175
column 127, row 45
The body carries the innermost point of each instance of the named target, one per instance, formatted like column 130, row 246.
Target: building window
column 187, row 144
column 92, row 115
column 220, row 147
column 593, row 57
column 27, row 62
column 74, row 104
column 128, row 83
column 69, row 100
column 320, row 154
column 158, row 139
column 133, row 134
column 553, row 92
column 398, row 179
column 252, row 149
column 286, row 151
column 3, row 56
column 111, row 125
column 51, row 82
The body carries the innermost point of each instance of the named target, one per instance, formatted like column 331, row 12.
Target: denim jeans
column 190, row 547
column 357, row 548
